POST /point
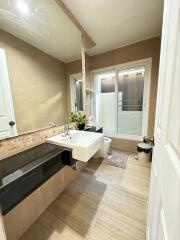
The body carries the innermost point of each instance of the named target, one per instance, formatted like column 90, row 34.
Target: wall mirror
column 37, row 39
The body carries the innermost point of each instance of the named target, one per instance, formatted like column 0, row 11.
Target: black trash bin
column 144, row 152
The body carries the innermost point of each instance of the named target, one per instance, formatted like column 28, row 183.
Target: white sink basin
column 84, row 144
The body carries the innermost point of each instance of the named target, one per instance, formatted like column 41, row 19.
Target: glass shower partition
column 121, row 100
column 106, row 100
column 130, row 101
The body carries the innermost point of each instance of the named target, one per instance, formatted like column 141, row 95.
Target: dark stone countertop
column 19, row 164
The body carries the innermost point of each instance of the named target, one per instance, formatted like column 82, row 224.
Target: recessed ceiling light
column 22, row 7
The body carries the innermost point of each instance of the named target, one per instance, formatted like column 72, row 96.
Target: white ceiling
column 114, row 23
column 110, row 23
column 42, row 24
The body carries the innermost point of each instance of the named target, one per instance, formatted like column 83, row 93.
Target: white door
column 7, row 118
column 164, row 204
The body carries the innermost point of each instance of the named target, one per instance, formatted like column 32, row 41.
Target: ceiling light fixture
column 22, row 7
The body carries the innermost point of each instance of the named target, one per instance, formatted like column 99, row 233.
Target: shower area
column 122, row 100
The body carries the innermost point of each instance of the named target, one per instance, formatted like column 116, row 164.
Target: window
column 76, row 92
column 130, row 101
column 122, row 99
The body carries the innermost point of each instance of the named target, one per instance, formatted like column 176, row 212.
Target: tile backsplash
column 16, row 144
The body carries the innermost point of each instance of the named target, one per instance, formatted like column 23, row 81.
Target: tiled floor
column 104, row 202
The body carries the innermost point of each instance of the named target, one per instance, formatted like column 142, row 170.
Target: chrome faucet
column 66, row 130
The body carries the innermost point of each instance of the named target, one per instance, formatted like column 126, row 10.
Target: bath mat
column 116, row 159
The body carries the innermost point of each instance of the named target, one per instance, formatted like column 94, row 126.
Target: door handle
column 12, row 123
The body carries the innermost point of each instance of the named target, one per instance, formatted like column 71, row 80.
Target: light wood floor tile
column 104, row 202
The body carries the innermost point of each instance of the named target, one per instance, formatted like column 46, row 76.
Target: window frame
column 72, row 77
column 147, row 63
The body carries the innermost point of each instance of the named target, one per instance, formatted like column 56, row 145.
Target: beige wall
column 133, row 52
column 38, row 85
